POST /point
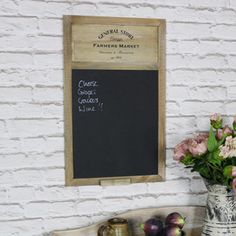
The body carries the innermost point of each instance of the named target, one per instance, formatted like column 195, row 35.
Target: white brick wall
column 201, row 79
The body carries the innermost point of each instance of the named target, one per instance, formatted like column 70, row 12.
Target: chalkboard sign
column 114, row 106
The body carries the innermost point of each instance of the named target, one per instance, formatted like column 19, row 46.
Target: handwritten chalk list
column 88, row 99
column 114, row 123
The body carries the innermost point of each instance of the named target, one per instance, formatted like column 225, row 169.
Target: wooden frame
column 73, row 60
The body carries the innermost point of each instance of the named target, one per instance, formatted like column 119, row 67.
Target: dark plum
column 173, row 230
column 153, row 227
column 175, row 218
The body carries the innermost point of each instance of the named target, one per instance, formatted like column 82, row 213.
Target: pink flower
column 197, row 148
column 234, row 171
column 234, row 179
column 215, row 117
column 234, row 185
column 201, row 137
column 198, row 145
column 227, row 130
column 216, row 121
column 219, row 134
column 181, row 150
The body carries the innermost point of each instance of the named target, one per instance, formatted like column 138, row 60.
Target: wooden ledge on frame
column 114, row 91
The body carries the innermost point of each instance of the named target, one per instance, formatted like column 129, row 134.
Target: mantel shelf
column 194, row 218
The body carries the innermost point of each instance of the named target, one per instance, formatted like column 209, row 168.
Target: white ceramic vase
column 220, row 214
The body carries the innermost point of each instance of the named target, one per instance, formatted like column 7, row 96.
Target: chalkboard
column 115, row 123
column 114, row 100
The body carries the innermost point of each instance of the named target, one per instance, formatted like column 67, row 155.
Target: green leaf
column 227, row 172
column 217, row 176
column 216, row 154
column 187, row 160
column 203, row 171
column 214, row 159
column 234, row 161
column 212, row 142
column 201, row 167
column 222, row 140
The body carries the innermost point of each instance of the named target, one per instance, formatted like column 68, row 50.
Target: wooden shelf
column 194, row 218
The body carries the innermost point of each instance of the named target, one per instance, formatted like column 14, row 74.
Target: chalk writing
column 88, row 99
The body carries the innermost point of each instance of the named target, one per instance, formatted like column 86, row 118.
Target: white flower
column 229, row 148
column 224, row 151
column 229, row 141
column 233, row 153
column 234, row 143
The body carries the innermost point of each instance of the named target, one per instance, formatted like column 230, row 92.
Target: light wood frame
column 69, row 64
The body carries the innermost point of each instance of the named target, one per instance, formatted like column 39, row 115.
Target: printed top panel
column 115, row 44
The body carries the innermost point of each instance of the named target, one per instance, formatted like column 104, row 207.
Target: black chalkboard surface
column 115, row 123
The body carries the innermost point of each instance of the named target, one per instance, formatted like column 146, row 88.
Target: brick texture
column 201, row 79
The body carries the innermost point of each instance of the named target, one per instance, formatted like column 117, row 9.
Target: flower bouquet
column 211, row 154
